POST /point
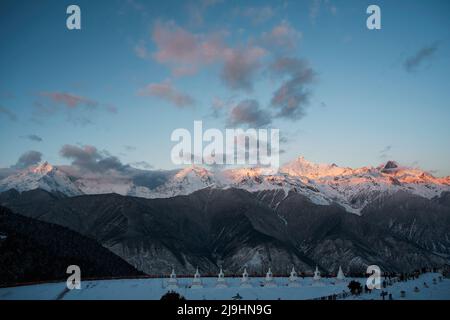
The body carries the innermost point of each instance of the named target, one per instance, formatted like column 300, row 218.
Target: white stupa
column 245, row 281
column 197, row 281
column 293, row 278
column 269, row 282
column 317, row 277
column 173, row 282
column 340, row 276
column 221, row 283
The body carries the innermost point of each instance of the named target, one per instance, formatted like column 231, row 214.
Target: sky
column 137, row 70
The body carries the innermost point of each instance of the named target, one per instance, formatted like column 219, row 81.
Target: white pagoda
column 340, row 276
column 317, row 277
column 293, row 278
column 173, row 282
column 197, row 281
column 269, row 282
column 245, row 281
column 221, row 283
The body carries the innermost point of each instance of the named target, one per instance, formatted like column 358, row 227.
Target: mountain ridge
column 323, row 184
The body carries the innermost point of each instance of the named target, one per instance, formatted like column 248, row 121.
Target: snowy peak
column 355, row 188
column 193, row 172
column 42, row 169
column 194, row 177
column 302, row 167
column 390, row 165
column 409, row 175
column 184, row 182
column 43, row 176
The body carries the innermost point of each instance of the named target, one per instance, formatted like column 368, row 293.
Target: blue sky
column 140, row 69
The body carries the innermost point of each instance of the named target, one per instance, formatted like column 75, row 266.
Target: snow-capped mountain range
column 43, row 176
column 322, row 183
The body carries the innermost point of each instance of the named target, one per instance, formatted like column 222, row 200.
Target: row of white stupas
column 245, row 281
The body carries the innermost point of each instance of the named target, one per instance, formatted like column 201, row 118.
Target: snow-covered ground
column 153, row 289
column 438, row 291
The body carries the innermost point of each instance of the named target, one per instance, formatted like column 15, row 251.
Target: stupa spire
column 221, row 283
column 340, row 275
column 293, row 278
column 197, row 281
column 173, row 282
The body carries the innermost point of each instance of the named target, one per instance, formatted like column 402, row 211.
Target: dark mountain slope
column 233, row 227
column 333, row 237
column 31, row 250
column 423, row 222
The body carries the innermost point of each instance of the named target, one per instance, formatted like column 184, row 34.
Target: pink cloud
column 240, row 67
column 282, row 37
column 184, row 51
column 248, row 112
column 166, row 91
column 69, row 100
column 111, row 108
column 197, row 10
column 78, row 109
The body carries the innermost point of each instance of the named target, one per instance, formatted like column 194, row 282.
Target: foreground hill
column 32, row 250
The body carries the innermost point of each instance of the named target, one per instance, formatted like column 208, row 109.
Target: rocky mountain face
column 32, row 250
column 232, row 227
column 414, row 218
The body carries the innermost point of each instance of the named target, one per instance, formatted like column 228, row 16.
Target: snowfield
column 438, row 291
column 153, row 289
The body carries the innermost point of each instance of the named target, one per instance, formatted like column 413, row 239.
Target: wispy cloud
column 28, row 159
column 425, row 54
column 8, row 113
column 241, row 66
column 384, row 153
column 7, row 95
column 257, row 15
column 90, row 158
column 196, row 10
column 167, row 92
column 133, row 6
column 183, row 51
column 33, row 137
column 248, row 112
column 283, row 37
column 69, row 100
column 221, row 106
column 111, row 108
column 78, row 109
column 141, row 51
column 130, row 148
column 142, row 165
column 292, row 97
column 318, row 5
